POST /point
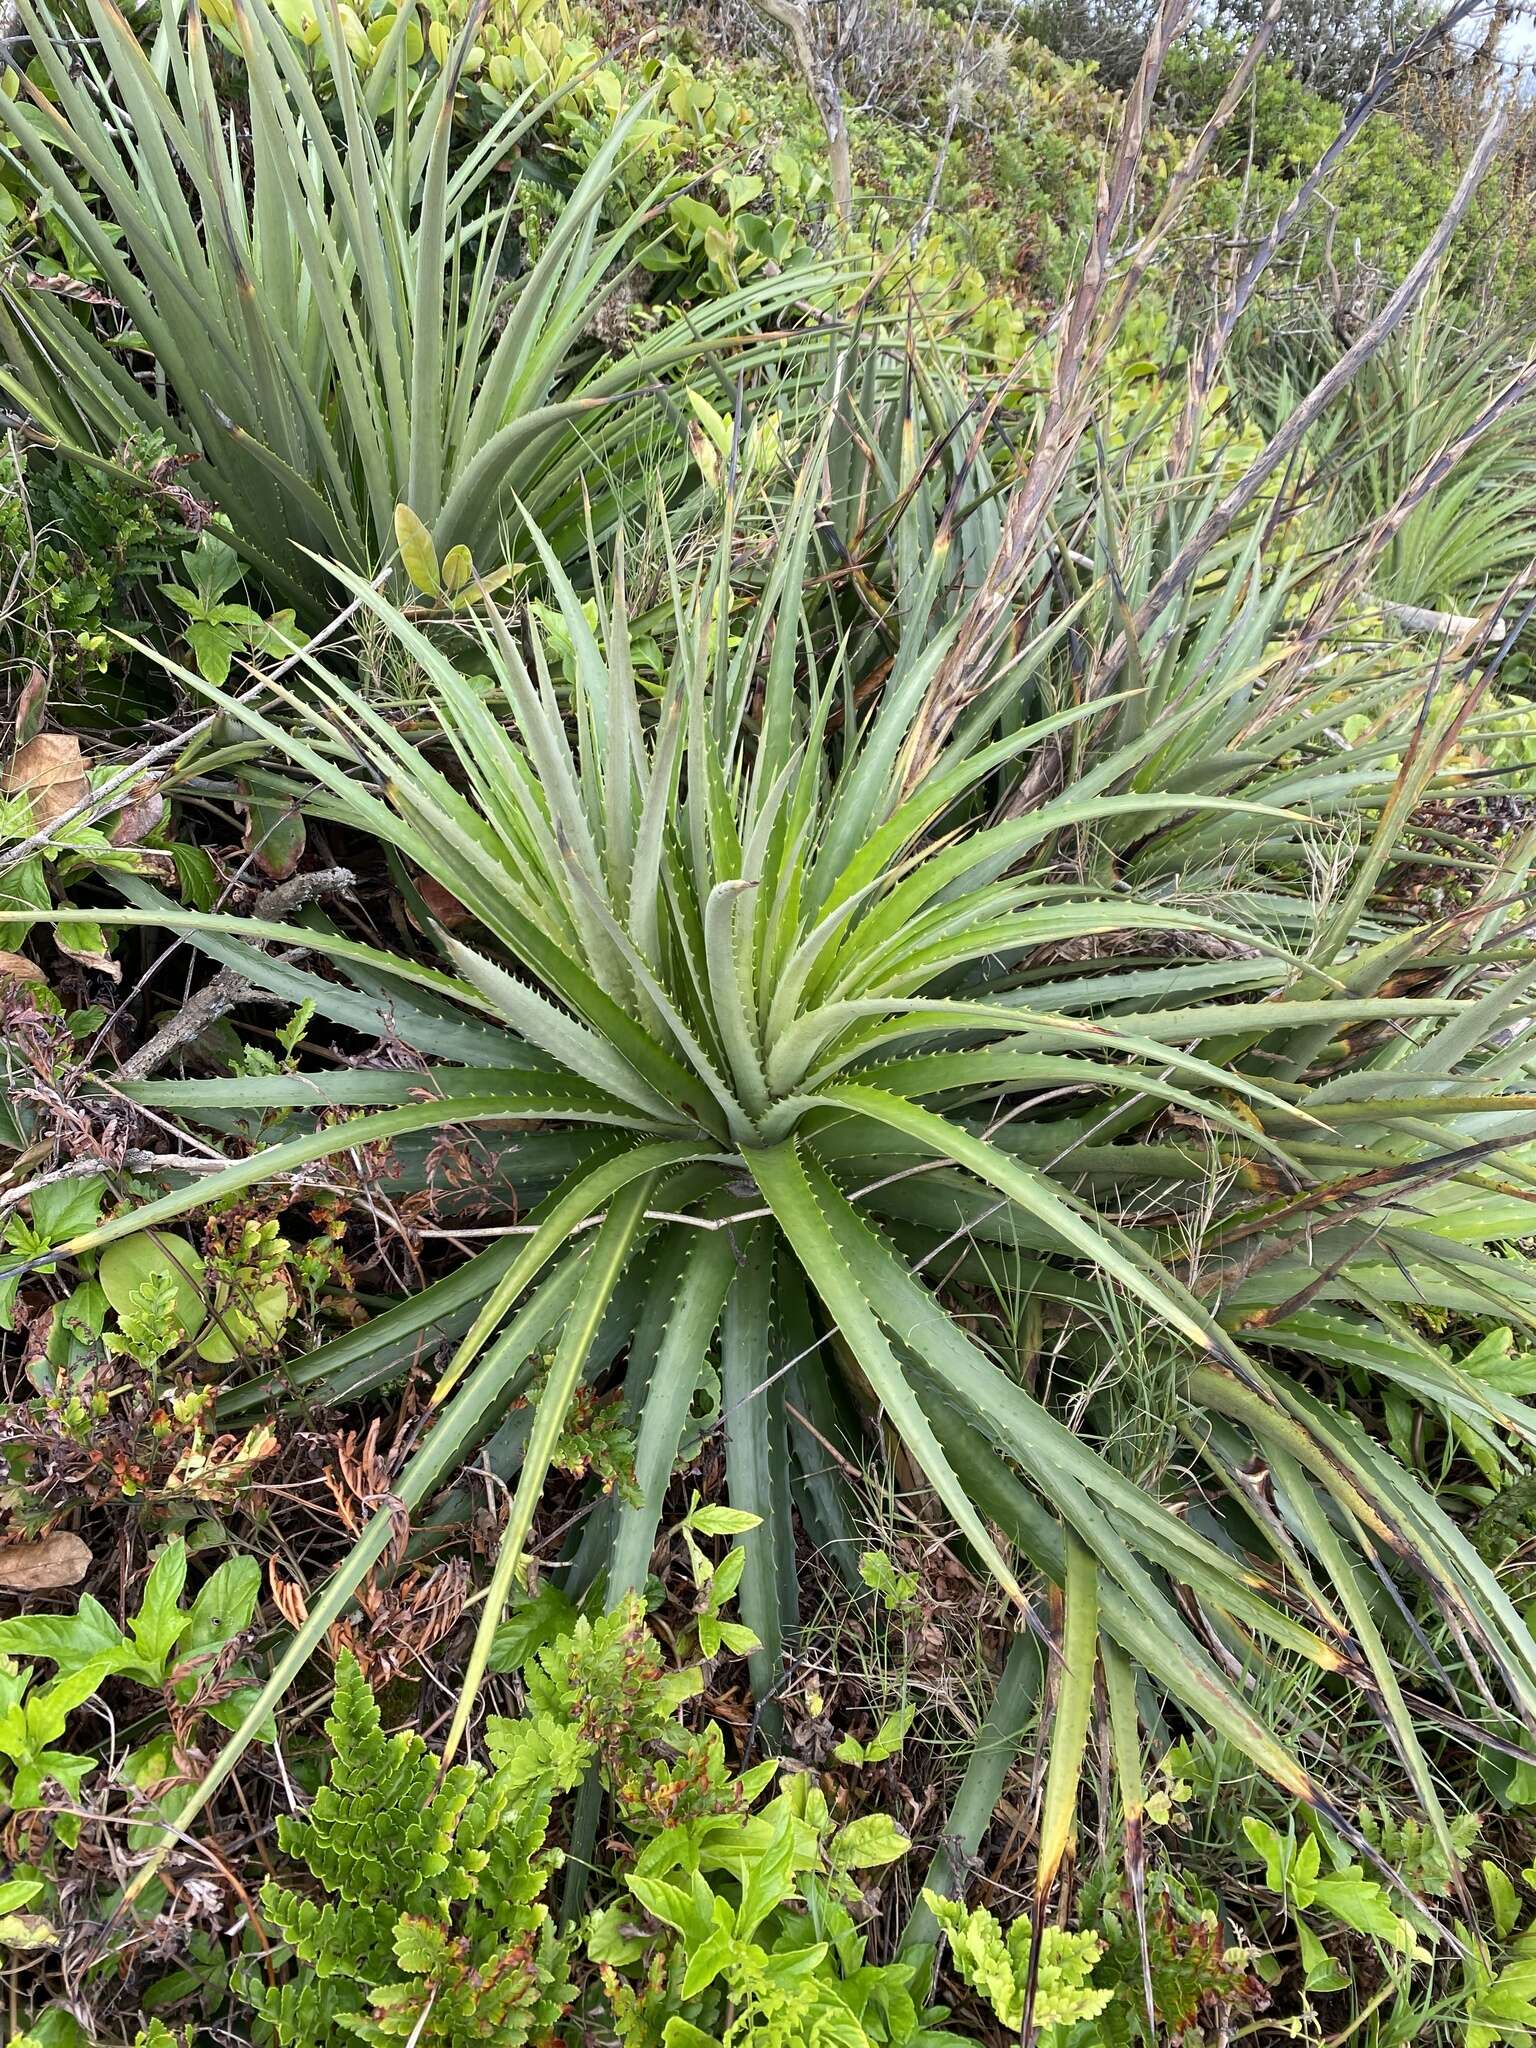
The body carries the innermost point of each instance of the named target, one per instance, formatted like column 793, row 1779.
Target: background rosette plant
column 339, row 299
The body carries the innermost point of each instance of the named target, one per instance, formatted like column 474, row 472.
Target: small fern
column 1414, row 1851
column 995, row 1963
column 1507, row 1523
column 433, row 1926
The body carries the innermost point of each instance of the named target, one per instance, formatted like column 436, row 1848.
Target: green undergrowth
column 408, row 1897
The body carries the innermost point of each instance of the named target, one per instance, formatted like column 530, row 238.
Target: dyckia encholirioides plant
column 795, row 1058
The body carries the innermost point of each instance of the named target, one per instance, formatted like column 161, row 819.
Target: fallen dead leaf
column 82, row 939
column 448, row 910
column 26, row 1930
column 149, row 860
column 140, row 814
column 43, row 1567
column 31, row 705
column 17, row 967
column 274, row 836
column 50, row 770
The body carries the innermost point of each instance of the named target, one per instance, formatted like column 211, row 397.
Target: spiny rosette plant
column 804, row 1028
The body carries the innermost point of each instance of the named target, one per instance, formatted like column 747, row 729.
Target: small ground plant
column 433, row 1916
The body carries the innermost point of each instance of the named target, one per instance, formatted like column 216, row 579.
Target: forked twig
column 1068, row 408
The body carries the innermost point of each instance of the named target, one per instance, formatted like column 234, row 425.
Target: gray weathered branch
column 229, row 987
column 822, row 82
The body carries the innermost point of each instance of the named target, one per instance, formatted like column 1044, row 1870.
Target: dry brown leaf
column 87, row 953
column 17, row 967
column 448, row 910
column 158, row 866
column 43, row 1567
column 31, row 705
column 50, row 770
column 140, row 814
column 287, row 1596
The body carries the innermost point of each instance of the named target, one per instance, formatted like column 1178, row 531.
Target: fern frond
column 434, row 1927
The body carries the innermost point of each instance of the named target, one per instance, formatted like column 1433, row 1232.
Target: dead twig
column 1044, row 775
column 229, row 987
column 1068, row 408
column 821, row 74
column 1207, row 364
